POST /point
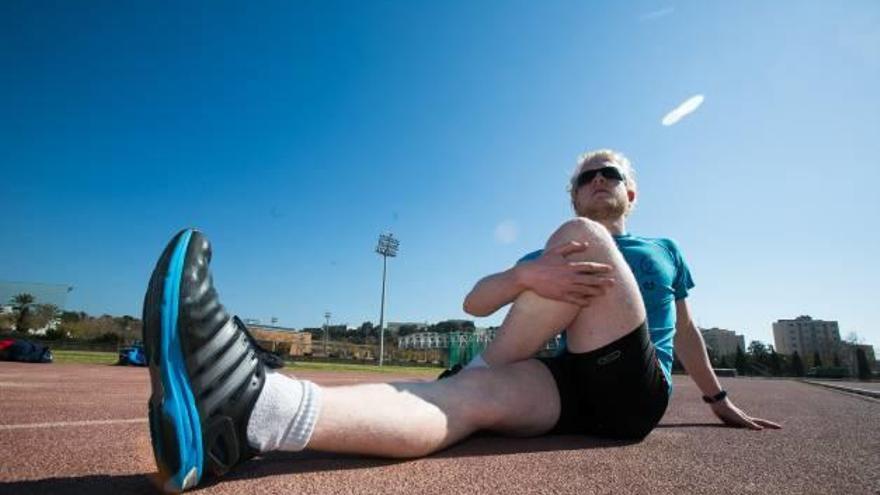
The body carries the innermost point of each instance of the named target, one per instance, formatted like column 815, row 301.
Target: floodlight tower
column 387, row 247
column 327, row 316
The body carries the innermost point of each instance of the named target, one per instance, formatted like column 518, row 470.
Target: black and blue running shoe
column 206, row 370
column 450, row 372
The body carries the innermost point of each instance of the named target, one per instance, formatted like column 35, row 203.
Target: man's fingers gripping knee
column 568, row 248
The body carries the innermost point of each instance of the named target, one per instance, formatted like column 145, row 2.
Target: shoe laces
column 268, row 357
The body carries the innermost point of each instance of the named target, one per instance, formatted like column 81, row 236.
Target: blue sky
column 294, row 133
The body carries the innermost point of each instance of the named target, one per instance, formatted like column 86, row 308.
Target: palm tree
column 20, row 304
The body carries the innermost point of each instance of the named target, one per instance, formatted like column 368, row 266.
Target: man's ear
column 631, row 195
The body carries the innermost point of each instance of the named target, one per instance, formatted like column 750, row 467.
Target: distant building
column 437, row 340
column 807, row 336
column 423, row 340
column 485, row 335
column 480, row 337
column 283, row 340
column 723, row 342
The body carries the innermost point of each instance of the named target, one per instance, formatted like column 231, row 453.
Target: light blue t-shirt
column 663, row 278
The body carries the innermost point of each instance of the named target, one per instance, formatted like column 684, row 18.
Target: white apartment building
column 435, row 340
column 423, row 340
column 807, row 336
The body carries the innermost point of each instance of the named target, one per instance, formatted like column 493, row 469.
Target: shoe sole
column 175, row 425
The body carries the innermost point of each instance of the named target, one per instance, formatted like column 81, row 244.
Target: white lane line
column 72, row 423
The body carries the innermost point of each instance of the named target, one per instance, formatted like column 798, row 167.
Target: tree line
column 29, row 315
column 760, row 359
column 368, row 333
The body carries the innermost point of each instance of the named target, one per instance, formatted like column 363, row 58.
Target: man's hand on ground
column 734, row 416
column 555, row 277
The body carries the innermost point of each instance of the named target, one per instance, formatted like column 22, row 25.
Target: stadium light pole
column 387, row 246
column 327, row 316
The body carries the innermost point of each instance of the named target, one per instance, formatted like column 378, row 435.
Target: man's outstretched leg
column 415, row 419
column 215, row 402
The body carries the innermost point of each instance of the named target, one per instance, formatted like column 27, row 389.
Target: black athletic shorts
column 618, row 391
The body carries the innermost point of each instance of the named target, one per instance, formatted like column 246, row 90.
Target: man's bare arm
column 551, row 276
column 691, row 351
column 494, row 292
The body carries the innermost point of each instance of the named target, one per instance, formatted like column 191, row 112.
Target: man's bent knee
column 620, row 309
column 582, row 229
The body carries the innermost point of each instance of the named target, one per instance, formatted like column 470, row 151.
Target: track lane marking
column 59, row 424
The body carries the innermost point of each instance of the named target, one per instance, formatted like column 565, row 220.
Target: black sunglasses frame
column 609, row 172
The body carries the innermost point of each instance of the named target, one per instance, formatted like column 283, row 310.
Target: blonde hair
column 598, row 157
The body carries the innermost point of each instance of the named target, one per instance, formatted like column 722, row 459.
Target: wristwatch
column 715, row 398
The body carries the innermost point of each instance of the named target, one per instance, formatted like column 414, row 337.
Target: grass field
column 85, row 357
column 309, row 366
column 93, row 357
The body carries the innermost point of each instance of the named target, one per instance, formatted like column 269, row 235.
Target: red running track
column 67, row 428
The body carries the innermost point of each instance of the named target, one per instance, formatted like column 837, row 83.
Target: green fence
column 463, row 347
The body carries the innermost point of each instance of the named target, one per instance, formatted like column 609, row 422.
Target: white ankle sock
column 285, row 414
column 477, row 362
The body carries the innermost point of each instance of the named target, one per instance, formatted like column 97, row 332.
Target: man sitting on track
column 216, row 400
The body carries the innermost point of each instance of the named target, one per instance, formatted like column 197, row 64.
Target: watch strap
column 715, row 398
